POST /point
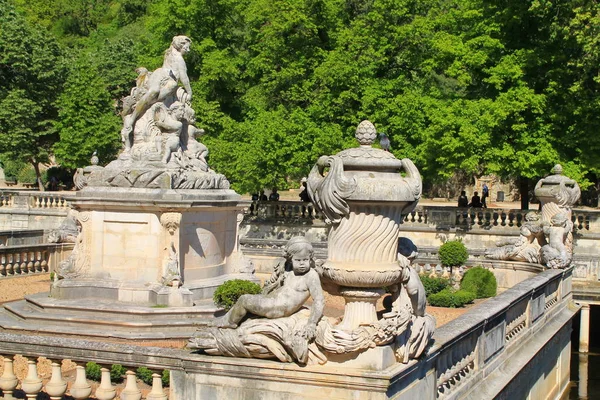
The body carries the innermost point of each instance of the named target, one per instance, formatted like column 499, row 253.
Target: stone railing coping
column 493, row 307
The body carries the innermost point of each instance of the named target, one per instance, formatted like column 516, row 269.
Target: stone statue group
column 546, row 237
column 159, row 134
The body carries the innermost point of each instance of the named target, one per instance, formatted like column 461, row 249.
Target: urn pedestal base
column 360, row 308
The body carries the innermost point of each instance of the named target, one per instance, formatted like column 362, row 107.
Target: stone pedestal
column 137, row 245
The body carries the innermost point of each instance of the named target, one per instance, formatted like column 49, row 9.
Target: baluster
column 157, row 389
column 8, row 380
column 23, row 265
column 44, row 261
column 495, row 218
column 9, row 265
column 57, row 386
column 81, row 389
column 3, row 265
column 511, row 219
column 131, row 391
column 32, row 384
column 106, row 391
column 30, row 258
column 519, row 219
column 37, row 264
column 17, row 264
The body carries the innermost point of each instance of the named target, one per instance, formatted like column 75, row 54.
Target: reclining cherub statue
column 273, row 324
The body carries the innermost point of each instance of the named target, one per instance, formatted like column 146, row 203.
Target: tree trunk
column 524, row 191
column 598, row 193
column 36, row 167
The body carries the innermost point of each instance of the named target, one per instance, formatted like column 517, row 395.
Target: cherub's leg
column 236, row 313
column 140, row 108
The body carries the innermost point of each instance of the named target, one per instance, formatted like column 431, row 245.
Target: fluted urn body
column 364, row 195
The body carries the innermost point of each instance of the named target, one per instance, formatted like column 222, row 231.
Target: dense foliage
column 228, row 292
column 479, row 281
column 451, row 299
column 434, row 285
column 459, row 86
column 453, row 253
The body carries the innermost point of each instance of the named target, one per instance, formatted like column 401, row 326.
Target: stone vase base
column 360, row 308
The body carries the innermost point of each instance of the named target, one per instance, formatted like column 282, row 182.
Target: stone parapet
column 515, row 343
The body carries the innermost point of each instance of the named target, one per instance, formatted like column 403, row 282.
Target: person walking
column 485, row 193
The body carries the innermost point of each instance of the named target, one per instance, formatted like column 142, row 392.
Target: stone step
column 107, row 309
column 43, row 314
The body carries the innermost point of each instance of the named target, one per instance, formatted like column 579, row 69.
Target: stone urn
column 363, row 193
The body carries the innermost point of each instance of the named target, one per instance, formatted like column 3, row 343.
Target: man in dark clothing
column 274, row 196
column 463, row 201
column 475, row 201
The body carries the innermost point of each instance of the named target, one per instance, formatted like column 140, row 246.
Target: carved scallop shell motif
column 366, row 133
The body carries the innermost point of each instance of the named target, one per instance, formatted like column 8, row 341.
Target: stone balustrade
column 282, row 210
column 56, row 386
column 31, row 210
column 423, row 216
column 32, row 259
column 523, row 331
column 35, row 199
column 493, row 334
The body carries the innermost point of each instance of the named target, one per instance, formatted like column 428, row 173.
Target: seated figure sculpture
column 285, row 331
column 558, row 253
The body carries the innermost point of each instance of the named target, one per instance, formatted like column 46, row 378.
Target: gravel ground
column 15, row 287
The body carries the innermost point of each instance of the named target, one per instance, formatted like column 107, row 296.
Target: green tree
column 31, row 77
column 89, row 119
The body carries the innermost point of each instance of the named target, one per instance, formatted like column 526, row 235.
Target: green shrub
column 92, row 371
column 479, row 281
column 145, row 375
column 166, row 378
column 448, row 298
column 433, row 284
column 227, row 294
column 116, row 373
column 453, row 253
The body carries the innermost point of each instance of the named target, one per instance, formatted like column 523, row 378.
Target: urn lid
column 366, row 157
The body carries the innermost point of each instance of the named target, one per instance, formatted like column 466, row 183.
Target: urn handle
column 330, row 191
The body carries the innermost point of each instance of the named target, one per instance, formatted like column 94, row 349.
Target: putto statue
column 526, row 247
column 287, row 330
column 159, row 135
column 545, row 238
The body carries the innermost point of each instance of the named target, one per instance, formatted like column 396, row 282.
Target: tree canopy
column 459, row 86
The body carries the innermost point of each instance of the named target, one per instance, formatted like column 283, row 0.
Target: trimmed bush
column 434, row 285
column 450, row 299
column 144, row 375
column 117, row 371
column 166, row 378
column 479, row 281
column 93, row 372
column 227, row 294
column 453, row 253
